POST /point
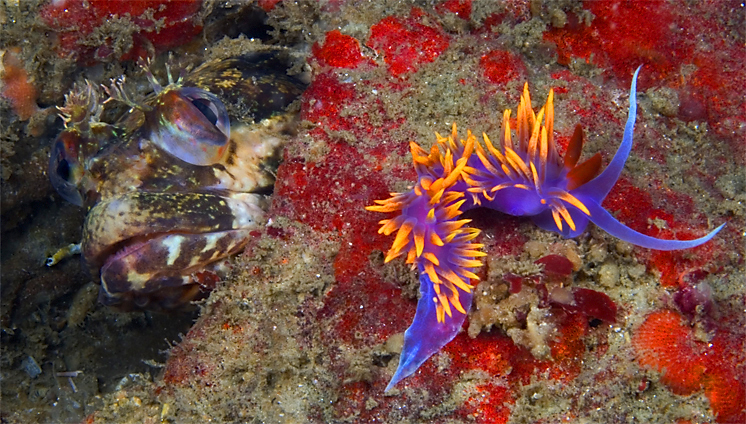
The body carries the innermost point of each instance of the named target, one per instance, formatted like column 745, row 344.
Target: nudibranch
column 527, row 178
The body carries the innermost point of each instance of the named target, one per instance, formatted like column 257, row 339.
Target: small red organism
column 339, row 51
column 461, row 8
column 594, row 304
column 17, row 88
column 407, row 43
column 590, row 304
column 501, row 67
column 692, row 104
column 694, row 297
column 556, row 264
column 515, row 282
column 267, row 5
column 665, row 344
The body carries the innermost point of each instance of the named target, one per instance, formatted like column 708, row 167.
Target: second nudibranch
column 527, row 178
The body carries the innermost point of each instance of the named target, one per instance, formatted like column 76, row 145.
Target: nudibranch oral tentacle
column 524, row 178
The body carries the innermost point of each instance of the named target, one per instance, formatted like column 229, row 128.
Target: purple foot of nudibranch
column 426, row 336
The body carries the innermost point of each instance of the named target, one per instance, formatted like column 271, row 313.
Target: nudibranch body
column 527, row 178
column 176, row 183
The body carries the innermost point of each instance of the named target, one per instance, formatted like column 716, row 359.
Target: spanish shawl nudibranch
column 529, row 179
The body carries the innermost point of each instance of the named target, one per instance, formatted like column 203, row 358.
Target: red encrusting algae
column 501, row 67
column 667, row 39
column 338, row 51
column 634, row 207
column 158, row 24
column 460, row 8
column 408, row 43
column 621, row 34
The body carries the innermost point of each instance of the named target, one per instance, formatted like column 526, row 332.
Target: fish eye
column 207, row 108
column 65, row 173
column 63, row 169
column 193, row 126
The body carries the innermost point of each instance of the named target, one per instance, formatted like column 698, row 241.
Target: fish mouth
column 168, row 224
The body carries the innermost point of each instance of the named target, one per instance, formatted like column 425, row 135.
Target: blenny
column 527, row 178
column 176, row 183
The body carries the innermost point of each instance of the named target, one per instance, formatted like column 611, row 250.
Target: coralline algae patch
column 407, row 43
column 338, row 51
column 501, row 67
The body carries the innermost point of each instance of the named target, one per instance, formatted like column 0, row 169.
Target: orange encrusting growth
column 663, row 343
column 727, row 394
column 667, row 345
column 17, row 88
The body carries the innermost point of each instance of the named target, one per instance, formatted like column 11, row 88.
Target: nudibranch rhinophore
column 524, row 179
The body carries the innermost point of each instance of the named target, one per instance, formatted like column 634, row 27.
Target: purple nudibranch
column 528, row 178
